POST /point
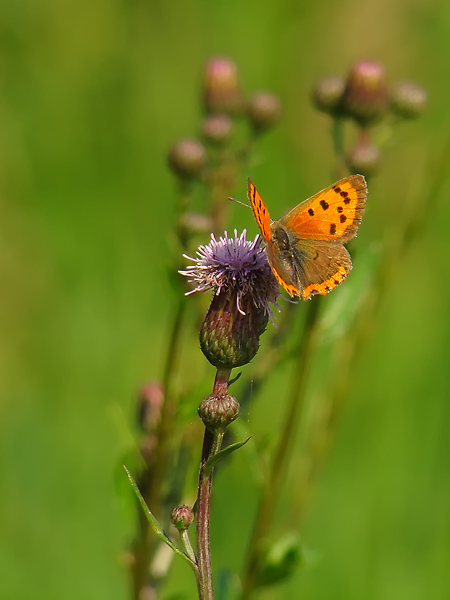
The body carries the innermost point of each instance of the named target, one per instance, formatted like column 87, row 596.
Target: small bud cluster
column 224, row 104
column 365, row 98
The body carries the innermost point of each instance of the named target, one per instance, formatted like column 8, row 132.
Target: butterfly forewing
column 333, row 214
column 259, row 210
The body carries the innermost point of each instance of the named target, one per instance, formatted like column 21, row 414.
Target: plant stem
column 212, row 443
column 338, row 145
column 153, row 493
column 271, row 490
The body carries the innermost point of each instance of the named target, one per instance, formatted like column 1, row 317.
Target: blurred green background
column 92, row 94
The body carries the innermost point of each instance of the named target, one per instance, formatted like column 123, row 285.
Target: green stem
column 153, row 493
column 338, row 145
column 212, row 443
column 186, row 541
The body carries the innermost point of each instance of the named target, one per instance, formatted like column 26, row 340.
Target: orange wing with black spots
column 305, row 248
column 333, row 214
column 259, row 210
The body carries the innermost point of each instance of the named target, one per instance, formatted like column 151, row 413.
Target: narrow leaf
column 154, row 523
column 221, row 455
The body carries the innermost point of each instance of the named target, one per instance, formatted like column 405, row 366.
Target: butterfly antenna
column 239, row 202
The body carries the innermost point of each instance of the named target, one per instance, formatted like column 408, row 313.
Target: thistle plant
column 245, row 304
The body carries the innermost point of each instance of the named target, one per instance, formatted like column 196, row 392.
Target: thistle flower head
column 408, row 100
column 365, row 97
column 222, row 93
column 187, row 159
column 327, row 95
column 364, row 158
column 264, row 110
column 237, row 270
column 234, row 264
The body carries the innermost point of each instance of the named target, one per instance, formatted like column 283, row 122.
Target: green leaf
column 154, row 523
column 280, row 561
column 209, row 465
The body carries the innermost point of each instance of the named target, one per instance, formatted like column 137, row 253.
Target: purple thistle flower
column 244, row 286
column 236, row 264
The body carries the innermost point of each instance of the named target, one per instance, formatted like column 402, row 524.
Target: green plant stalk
column 220, row 182
column 146, row 543
column 338, row 146
column 272, row 489
column 212, row 444
column 348, row 350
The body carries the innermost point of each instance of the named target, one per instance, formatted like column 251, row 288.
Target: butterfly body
column 305, row 248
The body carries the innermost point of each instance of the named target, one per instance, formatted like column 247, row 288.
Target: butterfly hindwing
column 328, row 266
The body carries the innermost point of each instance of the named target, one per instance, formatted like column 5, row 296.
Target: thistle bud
column 187, row 159
column 364, row 158
column 150, row 400
column 217, row 412
column 264, row 110
column 327, row 95
column 217, row 129
column 182, row 516
column 196, row 222
column 229, row 338
column 408, row 100
column 221, row 87
column 365, row 97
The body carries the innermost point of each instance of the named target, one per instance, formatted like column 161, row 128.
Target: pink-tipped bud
column 217, row 129
column 221, row 88
column 182, row 516
column 264, row 110
column 366, row 96
column 151, row 397
column 364, row 158
column 408, row 100
column 187, row 159
column 327, row 95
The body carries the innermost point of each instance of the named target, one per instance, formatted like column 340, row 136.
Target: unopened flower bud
column 366, row 96
column 230, row 338
column 217, row 129
column 408, row 100
column 327, row 95
column 364, row 158
column 187, row 159
column 196, row 222
column 264, row 110
column 182, row 517
column 217, row 412
column 221, row 87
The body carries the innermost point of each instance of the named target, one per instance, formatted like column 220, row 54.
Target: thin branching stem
column 146, row 542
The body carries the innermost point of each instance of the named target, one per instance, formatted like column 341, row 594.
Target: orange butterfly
column 305, row 248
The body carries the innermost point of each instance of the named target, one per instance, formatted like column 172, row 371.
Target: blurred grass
column 91, row 96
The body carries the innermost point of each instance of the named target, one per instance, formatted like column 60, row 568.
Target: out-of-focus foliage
column 92, row 95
